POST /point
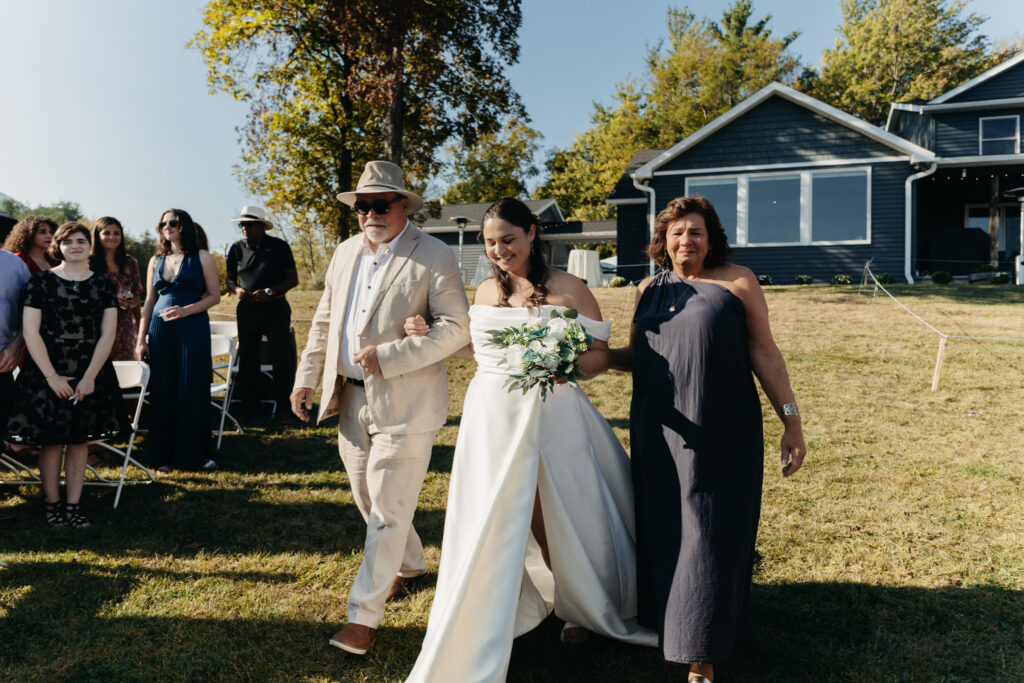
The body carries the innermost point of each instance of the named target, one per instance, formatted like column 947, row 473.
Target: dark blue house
column 804, row 188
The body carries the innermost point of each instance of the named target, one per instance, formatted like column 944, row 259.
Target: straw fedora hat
column 382, row 176
column 253, row 214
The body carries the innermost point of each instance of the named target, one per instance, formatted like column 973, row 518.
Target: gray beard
column 376, row 235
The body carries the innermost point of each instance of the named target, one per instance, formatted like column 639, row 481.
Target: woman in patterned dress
column 110, row 259
column 67, row 392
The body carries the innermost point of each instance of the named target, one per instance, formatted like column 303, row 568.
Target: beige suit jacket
column 421, row 277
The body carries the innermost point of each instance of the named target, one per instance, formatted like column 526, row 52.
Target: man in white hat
column 260, row 270
column 390, row 391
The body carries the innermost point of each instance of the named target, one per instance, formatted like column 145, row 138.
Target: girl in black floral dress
column 67, row 391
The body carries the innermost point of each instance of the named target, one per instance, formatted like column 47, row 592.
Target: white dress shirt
column 365, row 283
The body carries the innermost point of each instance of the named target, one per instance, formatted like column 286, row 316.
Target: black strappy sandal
column 76, row 520
column 55, row 515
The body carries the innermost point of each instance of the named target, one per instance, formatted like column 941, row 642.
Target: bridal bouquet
column 542, row 354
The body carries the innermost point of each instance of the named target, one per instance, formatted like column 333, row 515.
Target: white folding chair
column 220, row 391
column 229, row 328
column 133, row 378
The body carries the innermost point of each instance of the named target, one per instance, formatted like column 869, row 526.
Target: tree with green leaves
column 899, row 50
column 707, row 68
column 581, row 176
column 62, row 211
column 332, row 84
column 701, row 71
column 495, row 166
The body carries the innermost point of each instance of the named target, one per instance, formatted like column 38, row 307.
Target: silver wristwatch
column 269, row 292
column 790, row 409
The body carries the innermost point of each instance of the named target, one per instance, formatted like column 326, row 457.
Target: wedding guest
column 260, row 270
column 110, row 259
column 30, row 240
column 14, row 276
column 7, row 224
column 67, row 392
column 174, row 337
column 700, row 330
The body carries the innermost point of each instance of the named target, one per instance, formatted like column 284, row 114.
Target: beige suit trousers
column 386, row 474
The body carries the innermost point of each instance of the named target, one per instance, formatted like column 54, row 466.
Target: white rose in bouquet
column 558, row 327
column 514, row 355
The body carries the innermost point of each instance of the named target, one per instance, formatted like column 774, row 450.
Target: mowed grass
column 897, row 553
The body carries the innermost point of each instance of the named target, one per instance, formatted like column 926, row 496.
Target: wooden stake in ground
column 938, row 363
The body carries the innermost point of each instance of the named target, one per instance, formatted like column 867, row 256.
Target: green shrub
column 985, row 268
column 803, row 280
column 999, row 279
column 884, row 279
column 840, row 279
column 765, row 280
column 617, row 281
column 941, row 277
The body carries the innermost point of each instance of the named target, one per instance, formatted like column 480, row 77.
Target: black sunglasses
column 379, row 206
column 173, row 223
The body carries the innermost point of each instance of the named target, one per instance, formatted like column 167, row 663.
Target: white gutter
column 649, row 191
column 908, row 213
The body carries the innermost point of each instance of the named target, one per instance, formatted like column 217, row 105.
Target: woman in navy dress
column 700, row 333
column 184, row 284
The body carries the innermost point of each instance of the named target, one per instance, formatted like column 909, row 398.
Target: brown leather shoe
column 354, row 638
column 397, row 589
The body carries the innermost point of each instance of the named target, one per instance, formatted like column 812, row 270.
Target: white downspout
column 908, row 213
column 649, row 191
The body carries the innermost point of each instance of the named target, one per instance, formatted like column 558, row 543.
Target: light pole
column 461, row 222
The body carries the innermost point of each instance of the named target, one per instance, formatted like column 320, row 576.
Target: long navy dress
column 179, row 386
column 697, row 459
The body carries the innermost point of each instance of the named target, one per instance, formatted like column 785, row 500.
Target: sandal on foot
column 55, row 515
column 76, row 520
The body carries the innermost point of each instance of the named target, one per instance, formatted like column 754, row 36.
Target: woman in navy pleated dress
column 174, row 338
column 700, row 334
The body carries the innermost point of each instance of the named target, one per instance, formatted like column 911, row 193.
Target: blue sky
column 103, row 104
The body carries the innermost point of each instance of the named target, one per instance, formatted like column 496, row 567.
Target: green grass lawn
column 897, row 553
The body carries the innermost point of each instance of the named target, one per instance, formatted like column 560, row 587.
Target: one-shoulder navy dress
column 697, row 458
column 181, row 369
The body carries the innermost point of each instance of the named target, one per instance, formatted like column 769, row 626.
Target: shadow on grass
column 823, row 632
column 966, row 294
column 806, row 632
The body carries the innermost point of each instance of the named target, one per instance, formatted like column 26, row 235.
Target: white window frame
column 806, row 198
column 982, row 140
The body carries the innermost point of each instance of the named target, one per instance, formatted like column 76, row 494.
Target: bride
column 540, row 505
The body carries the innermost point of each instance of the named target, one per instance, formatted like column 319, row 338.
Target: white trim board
column 977, row 80
column 916, row 153
column 793, row 165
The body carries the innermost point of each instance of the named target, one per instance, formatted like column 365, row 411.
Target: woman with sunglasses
column 183, row 284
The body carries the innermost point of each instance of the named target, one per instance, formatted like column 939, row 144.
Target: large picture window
column 999, row 135
column 722, row 193
column 839, row 204
column 791, row 208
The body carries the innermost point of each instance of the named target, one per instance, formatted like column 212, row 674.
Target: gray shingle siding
column 956, row 133
column 778, row 131
column 917, row 128
column 1010, row 83
column 632, row 242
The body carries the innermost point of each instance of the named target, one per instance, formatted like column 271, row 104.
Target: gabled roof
column 977, row 80
column 915, row 152
column 475, row 213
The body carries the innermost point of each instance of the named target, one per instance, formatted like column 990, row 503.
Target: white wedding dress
column 493, row 583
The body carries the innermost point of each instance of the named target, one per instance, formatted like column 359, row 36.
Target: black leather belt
column 357, row 382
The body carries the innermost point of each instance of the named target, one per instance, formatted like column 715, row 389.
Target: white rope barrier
column 943, row 336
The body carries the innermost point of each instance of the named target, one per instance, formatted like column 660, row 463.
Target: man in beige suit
column 390, row 391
